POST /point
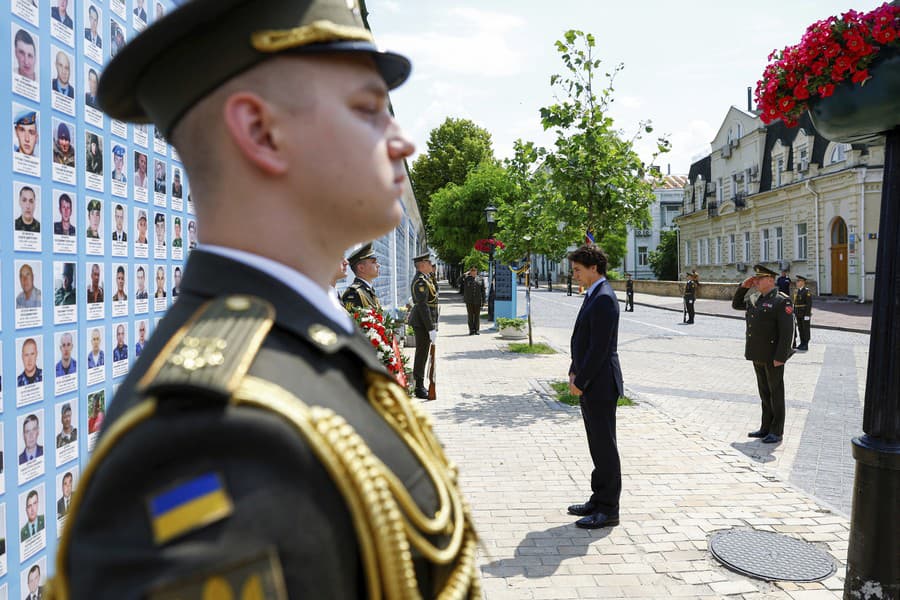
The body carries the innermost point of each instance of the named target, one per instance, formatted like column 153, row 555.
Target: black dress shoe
column 759, row 433
column 422, row 393
column 582, row 510
column 771, row 439
column 597, row 520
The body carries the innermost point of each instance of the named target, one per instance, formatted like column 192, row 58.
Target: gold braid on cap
column 317, row 32
column 389, row 524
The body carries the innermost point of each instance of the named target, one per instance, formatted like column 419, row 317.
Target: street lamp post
column 490, row 215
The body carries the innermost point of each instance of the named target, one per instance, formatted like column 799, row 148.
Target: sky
column 685, row 62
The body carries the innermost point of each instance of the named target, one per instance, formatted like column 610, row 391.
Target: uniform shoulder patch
column 187, row 506
column 255, row 577
column 214, row 349
column 789, row 309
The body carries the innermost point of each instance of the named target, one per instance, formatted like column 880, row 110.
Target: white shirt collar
column 297, row 281
column 595, row 285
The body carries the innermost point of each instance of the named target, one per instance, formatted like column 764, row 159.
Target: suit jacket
column 70, row 90
column 38, row 452
column 96, row 40
column 595, row 339
column 61, row 509
column 274, row 478
column 65, row 19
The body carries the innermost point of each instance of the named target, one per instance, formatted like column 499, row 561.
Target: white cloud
column 391, row 6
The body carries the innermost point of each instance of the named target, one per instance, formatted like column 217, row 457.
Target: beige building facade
column 787, row 198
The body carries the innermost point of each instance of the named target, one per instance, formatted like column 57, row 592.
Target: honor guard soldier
column 360, row 293
column 474, row 297
column 770, row 330
column 803, row 311
column 258, row 448
column 629, row 293
column 423, row 318
column 690, row 295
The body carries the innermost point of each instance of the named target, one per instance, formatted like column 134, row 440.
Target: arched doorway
column 839, row 257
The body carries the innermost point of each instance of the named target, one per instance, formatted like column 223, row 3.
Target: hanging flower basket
column 485, row 245
column 844, row 72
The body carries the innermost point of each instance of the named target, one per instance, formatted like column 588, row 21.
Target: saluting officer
column 770, row 330
column 474, row 296
column 423, row 318
column 258, row 448
column 690, row 295
column 361, row 293
column 803, row 311
column 629, row 293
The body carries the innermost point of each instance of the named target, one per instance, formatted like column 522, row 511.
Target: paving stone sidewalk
column 523, row 458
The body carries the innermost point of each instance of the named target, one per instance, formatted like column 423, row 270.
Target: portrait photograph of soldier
column 59, row 11
column 29, row 208
column 93, row 158
column 26, row 63
column 140, row 335
column 66, row 370
column 176, row 281
column 160, row 282
column 139, row 12
column 94, row 229
column 90, row 95
column 64, row 276
column 159, row 177
column 92, row 32
column 96, row 411
column 63, row 148
column 26, row 146
column 116, row 37
column 120, row 351
column 119, row 234
column 67, row 430
column 33, row 579
column 140, row 170
column 96, row 357
column 63, row 84
column 159, row 237
column 32, row 522
column 65, row 483
column 64, row 221
column 177, row 190
column 29, row 292
column 95, row 285
column 192, row 234
column 30, row 446
column 120, row 295
column 118, row 158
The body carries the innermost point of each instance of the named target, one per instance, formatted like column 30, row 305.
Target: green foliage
column 563, row 395
column 455, row 148
column 476, row 259
column 664, row 260
column 503, row 323
column 592, row 165
column 456, row 219
column 539, row 348
column 614, row 243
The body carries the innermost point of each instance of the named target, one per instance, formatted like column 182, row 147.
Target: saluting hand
column 748, row 283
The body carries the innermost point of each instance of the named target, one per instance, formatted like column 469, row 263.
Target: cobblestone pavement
column 523, row 458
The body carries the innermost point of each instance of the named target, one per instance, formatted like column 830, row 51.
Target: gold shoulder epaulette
column 214, row 349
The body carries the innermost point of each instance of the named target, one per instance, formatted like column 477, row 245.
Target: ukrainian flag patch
column 188, row 506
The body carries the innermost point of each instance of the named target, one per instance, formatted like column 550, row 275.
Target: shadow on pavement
column 551, row 546
column 489, row 354
column 761, row 453
column 503, row 411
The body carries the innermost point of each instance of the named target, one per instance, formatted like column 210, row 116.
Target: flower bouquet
column 378, row 328
column 844, row 71
column 487, row 244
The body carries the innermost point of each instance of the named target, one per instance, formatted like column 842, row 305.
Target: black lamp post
column 490, row 215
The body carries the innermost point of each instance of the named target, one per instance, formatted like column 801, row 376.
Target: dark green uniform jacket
column 690, row 290
column 424, row 312
column 770, row 325
column 473, row 291
column 236, row 426
column 360, row 295
column 803, row 302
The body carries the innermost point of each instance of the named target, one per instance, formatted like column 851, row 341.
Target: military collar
column 364, row 283
column 204, row 276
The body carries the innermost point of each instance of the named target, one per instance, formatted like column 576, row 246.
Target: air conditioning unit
column 741, row 267
column 726, row 150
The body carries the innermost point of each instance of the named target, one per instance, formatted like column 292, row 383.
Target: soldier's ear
column 252, row 127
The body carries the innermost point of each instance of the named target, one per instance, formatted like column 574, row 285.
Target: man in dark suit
column 595, row 376
column 92, row 33
column 256, row 393
column 60, row 13
column 62, row 505
column 31, row 434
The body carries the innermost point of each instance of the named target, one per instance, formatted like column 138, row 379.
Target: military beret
column 118, row 150
column 365, row 251
column 801, row 277
column 159, row 218
column 93, row 205
column 62, row 132
column 193, row 50
column 178, row 220
column 25, row 117
column 762, row 271
column 422, row 258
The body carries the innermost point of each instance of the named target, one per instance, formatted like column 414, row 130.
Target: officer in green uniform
column 690, row 295
column 803, row 311
column 258, row 448
column 629, row 293
column 770, row 330
column 365, row 267
column 474, row 297
column 423, row 318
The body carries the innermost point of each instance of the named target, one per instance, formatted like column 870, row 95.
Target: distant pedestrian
column 629, row 293
column 690, row 295
column 770, row 330
column 784, row 283
column 474, row 296
column 596, row 376
column 569, row 284
column 803, row 311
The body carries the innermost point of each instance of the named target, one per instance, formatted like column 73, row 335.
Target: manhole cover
column 770, row 556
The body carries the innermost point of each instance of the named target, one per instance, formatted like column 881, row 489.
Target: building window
column 779, row 169
column 731, row 249
column 839, row 154
column 734, row 185
column 764, row 245
column 699, row 252
column 748, row 175
column 779, row 243
column 671, row 213
column 705, row 251
column 687, row 253
column 719, row 191
column 718, row 250
column 642, row 256
column 746, row 246
column 801, row 241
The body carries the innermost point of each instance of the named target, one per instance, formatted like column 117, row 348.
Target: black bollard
column 873, row 556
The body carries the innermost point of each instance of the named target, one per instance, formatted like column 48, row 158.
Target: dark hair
column 64, row 198
column 120, row 269
column 590, row 256
column 93, row 9
column 24, row 37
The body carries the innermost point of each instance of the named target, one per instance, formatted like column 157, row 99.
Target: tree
column 592, row 164
column 664, row 260
column 456, row 218
column 455, row 148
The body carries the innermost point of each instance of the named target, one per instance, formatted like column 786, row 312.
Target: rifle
column 432, row 392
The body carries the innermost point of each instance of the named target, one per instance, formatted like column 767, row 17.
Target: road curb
column 741, row 318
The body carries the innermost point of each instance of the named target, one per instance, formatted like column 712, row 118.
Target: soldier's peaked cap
column 762, row 271
column 365, row 251
column 193, row 50
column 801, row 277
column 422, row 257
